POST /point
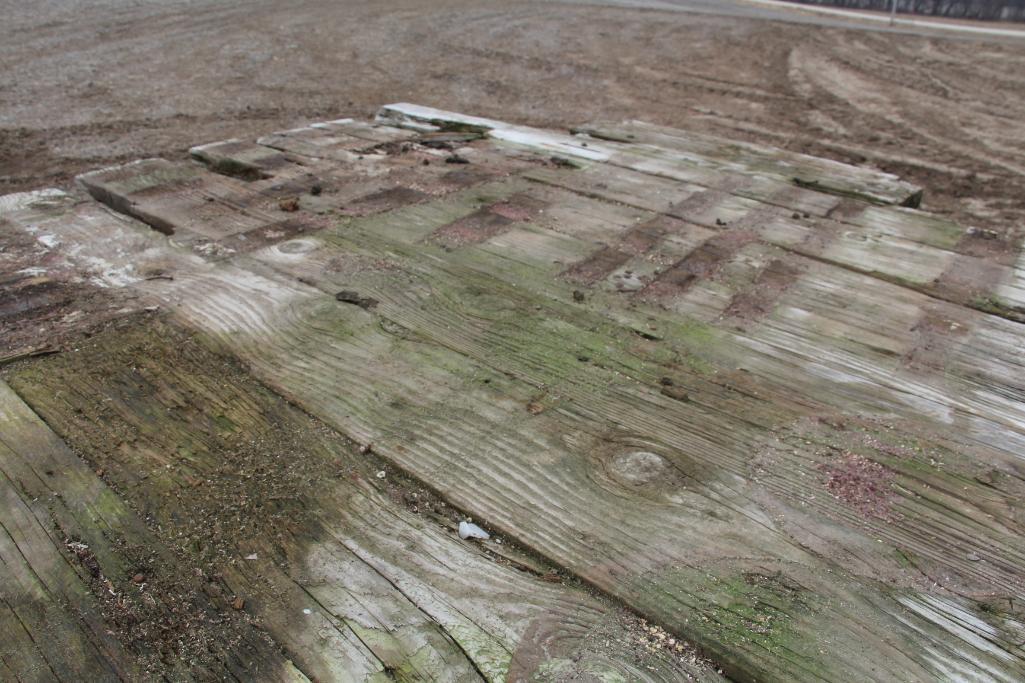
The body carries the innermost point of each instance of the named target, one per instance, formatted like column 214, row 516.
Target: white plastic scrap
column 471, row 530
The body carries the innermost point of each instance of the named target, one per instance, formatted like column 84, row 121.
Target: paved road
column 821, row 16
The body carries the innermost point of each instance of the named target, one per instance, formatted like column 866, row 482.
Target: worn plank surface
column 780, row 423
column 811, row 211
column 88, row 592
column 691, row 157
column 340, row 140
column 353, row 576
column 747, row 158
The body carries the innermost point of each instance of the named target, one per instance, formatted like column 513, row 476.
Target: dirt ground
column 83, row 85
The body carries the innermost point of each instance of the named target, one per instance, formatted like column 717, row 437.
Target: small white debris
column 983, row 233
column 471, row 530
column 48, row 241
column 251, row 557
column 77, row 546
column 307, row 610
column 381, row 474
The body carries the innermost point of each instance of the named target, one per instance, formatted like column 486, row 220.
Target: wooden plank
column 918, row 248
column 218, row 216
column 566, row 221
column 364, row 417
column 88, row 239
column 279, row 293
column 1012, row 291
column 338, row 548
column 246, row 160
column 912, row 332
column 383, row 180
column 197, row 207
column 64, row 269
column 340, row 140
column 414, row 226
column 42, row 640
column 312, row 185
column 994, row 434
column 747, row 158
column 70, row 549
column 551, row 361
column 427, row 119
column 285, row 197
column 659, row 161
column 333, row 139
column 886, row 333
column 912, row 248
column 480, row 480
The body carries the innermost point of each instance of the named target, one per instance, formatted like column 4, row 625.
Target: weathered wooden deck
column 705, row 396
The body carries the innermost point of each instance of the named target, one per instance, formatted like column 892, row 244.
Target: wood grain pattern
column 747, row 158
column 70, row 549
column 340, row 140
column 341, row 568
column 680, row 155
column 424, row 372
column 767, row 418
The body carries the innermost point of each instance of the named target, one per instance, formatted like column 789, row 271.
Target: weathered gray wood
column 460, row 411
column 246, row 160
column 783, row 437
column 338, row 570
column 364, row 415
column 761, row 173
column 204, row 209
column 913, row 248
column 69, row 548
column 747, row 158
column 340, row 140
column 273, row 198
column 41, row 640
column 1011, row 291
column 889, row 239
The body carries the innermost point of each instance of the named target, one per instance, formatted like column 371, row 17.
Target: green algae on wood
column 241, row 489
column 644, row 438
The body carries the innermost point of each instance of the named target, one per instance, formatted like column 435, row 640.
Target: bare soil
column 84, row 85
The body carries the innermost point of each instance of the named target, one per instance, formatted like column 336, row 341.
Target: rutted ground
column 85, row 86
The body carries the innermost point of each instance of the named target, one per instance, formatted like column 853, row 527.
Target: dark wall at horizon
column 1005, row 10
